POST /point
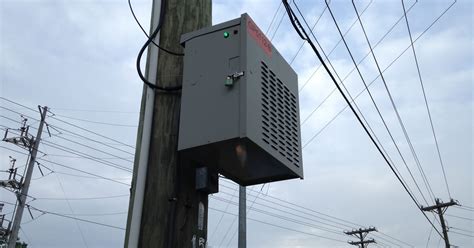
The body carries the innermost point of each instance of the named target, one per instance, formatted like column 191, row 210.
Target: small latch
column 231, row 78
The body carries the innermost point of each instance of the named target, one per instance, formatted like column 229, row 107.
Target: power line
column 55, row 127
column 87, row 156
column 72, row 211
column 345, row 33
column 376, row 107
column 222, row 216
column 312, row 28
column 353, row 69
column 298, row 28
column 69, row 156
column 386, row 68
column 85, row 172
column 301, row 208
column 89, row 131
column 400, row 121
column 465, row 208
column 95, row 149
column 78, row 219
column 273, row 18
column 459, row 217
column 21, row 105
column 350, row 96
column 70, row 168
column 462, row 234
column 76, row 135
column 282, row 217
column 282, row 227
column 81, row 198
column 460, row 229
column 96, row 122
column 96, row 110
column 290, row 213
column 424, row 97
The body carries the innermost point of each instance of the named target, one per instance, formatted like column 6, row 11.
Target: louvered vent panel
column 279, row 116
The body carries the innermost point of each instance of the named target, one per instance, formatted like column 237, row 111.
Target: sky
column 78, row 58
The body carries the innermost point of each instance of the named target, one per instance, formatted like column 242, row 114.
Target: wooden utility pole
column 173, row 213
column 361, row 233
column 440, row 208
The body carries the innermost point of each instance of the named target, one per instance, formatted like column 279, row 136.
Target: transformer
column 239, row 107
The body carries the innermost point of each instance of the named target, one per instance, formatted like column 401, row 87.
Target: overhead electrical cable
column 75, row 218
column 96, row 122
column 86, row 156
column 273, row 18
column 304, row 223
column 394, row 106
column 302, row 33
column 97, row 150
column 92, row 132
column 424, row 97
column 282, row 227
column 376, row 77
column 85, row 172
column 376, row 107
column 350, row 96
column 353, row 68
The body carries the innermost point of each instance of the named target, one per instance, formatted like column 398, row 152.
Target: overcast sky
column 78, row 58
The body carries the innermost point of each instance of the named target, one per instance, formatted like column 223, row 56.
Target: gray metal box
column 245, row 126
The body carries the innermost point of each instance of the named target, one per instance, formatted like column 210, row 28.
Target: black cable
column 312, row 28
column 144, row 47
column 285, row 2
column 424, row 97
column 376, row 106
column 141, row 27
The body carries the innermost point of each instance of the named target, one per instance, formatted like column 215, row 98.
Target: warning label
column 259, row 36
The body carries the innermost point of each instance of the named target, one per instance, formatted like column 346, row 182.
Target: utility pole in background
column 361, row 234
column 32, row 145
column 165, row 208
column 440, row 208
column 242, row 243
